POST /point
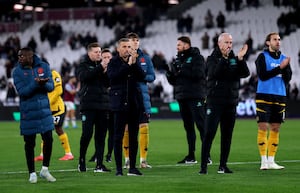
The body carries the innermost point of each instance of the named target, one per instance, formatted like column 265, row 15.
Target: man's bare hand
column 285, row 62
column 41, row 81
column 242, row 52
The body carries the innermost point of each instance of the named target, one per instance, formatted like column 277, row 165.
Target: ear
column 268, row 43
column 185, row 46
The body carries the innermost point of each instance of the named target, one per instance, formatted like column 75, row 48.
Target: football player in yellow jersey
column 58, row 109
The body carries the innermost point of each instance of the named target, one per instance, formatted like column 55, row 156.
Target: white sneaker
column 33, row 178
column 144, row 164
column 275, row 166
column 46, row 174
column 209, row 161
column 264, row 166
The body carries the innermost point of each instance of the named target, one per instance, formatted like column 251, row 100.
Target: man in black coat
column 126, row 100
column 187, row 75
column 94, row 105
column 224, row 73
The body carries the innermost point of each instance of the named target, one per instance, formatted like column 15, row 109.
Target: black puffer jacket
column 224, row 77
column 187, row 75
column 94, row 85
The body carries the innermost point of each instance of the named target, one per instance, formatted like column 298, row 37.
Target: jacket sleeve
column 49, row 86
column 24, row 88
column 150, row 74
column 138, row 72
column 227, row 69
column 171, row 77
column 242, row 68
column 84, row 73
column 194, row 70
column 215, row 66
column 287, row 74
column 261, row 68
column 116, row 70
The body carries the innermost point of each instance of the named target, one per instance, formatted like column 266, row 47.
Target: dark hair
column 185, row 39
column 132, row 35
column 105, row 50
column 268, row 38
column 27, row 49
column 93, row 45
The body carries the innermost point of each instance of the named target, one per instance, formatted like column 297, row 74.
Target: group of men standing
column 114, row 94
column 207, row 94
column 111, row 90
column 115, row 91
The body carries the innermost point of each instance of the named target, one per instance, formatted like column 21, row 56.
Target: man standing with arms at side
column 33, row 81
column 274, row 73
column 224, row 73
column 126, row 100
column 146, row 64
column 94, row 105
column 106, row 56
column 187, row 75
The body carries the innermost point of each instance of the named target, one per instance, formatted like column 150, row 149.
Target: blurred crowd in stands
column 124, row 23
column 51, row 31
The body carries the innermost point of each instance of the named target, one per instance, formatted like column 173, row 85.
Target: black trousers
column 110, row 135
column 121, row 118
column 91, row 119
column 225, row 115
column 192, row 112
column 29, row 149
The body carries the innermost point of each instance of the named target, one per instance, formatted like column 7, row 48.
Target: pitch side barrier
column 161, row 110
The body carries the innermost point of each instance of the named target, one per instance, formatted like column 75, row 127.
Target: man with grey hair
column 225, row 70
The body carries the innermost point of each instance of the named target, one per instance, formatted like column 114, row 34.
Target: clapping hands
column 242, row 52
column 133, row 56
column 41, row 81
column 285, row 62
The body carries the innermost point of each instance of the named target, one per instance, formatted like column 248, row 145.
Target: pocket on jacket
column 117, row 99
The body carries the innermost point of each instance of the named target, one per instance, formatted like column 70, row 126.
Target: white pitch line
column 159, row 166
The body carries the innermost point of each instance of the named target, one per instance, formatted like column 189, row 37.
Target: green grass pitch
column 167, row 146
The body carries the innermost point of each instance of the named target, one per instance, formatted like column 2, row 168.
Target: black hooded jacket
column 223, row 77
column 94, row 85
column 187, row 75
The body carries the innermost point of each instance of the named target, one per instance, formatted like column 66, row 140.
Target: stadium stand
column 161, row 35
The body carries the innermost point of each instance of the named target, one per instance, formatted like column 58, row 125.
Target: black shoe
column 119, row 173
column 203, row 171
column 134, row 172
column 101, row 169
column 224, row 170
column 81, row 166
column 93, row 159
column 188, row 160
column 108, row 158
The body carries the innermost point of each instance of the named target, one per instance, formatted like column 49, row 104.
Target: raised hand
column 285, row 62
column 242, row 52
